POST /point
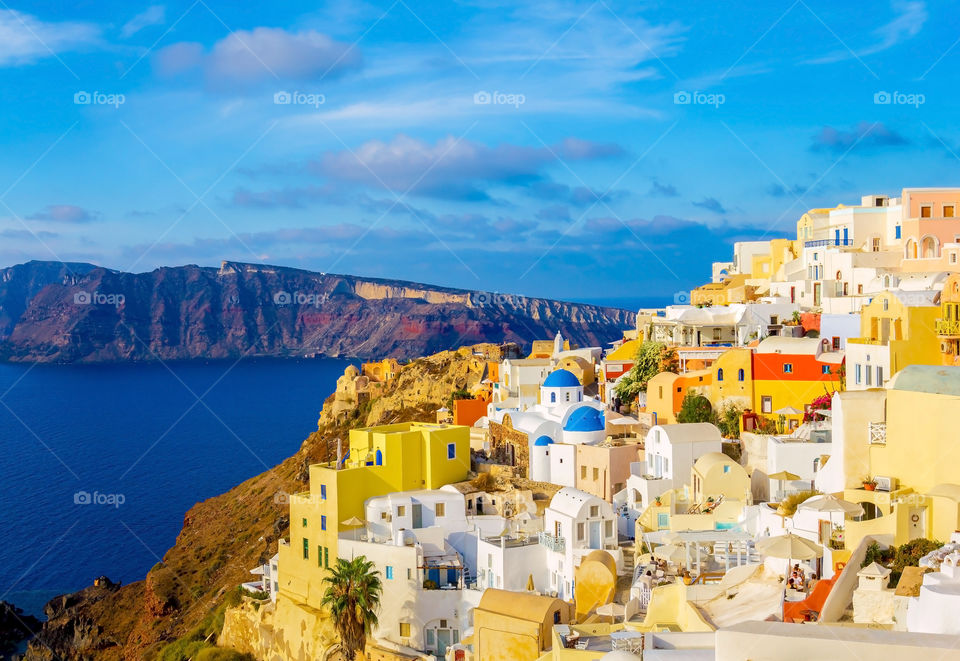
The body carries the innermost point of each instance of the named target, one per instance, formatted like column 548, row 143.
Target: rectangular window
column 948, row 211
column 926, row 211
column 825, row 369
column 323, row 492
column 766, row 404
column 663, row 520
column 897, row 234
column 441, row 509
column 323, row 523
column 401, row 510
column 389, row 572
column 409, row 574
column 596, row 474
column 608, row 528
column 306, row 548
column 304, row 522
column 858, row 374
column 326, row 557
column 319, row 556
column 451, row 450
column 580, row 532
column 404, row 629
column 868, row 376
column 594, row 510
column 879, row 375
column 583, row 472
column 788, row 368
column 726, row 469
column 836, row 343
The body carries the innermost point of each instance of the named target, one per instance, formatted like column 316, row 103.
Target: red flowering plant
column 821, row 403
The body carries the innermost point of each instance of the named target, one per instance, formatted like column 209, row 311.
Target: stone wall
column 507, row 443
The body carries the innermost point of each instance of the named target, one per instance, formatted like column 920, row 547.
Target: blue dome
column 543, row 440
column 561, row 379
column 585, row 418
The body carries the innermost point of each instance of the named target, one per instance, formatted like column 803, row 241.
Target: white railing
column 878, row 433
column 552, row 542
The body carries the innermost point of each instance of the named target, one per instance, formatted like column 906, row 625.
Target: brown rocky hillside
column 225, row 536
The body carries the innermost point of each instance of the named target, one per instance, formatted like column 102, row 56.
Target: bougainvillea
column 820, row 403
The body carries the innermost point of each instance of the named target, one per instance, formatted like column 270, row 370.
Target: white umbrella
column 788, row 410
column 790, row 547
column 829, row 503
column 671, row 553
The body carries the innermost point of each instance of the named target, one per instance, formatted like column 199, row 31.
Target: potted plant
column 869, row 484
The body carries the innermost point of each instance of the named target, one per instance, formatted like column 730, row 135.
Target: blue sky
column 572, row 150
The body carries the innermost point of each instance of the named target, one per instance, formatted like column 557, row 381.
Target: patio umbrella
column 829, row 503
column 788, row 410
column 790, row 547
column 783, row 476
column 671, row 553
column 352, row 522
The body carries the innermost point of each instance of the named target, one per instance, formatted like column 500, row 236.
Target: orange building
column 948, row 325
column 665, row 392
column 468, row 411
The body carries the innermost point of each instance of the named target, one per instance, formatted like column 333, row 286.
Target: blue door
column 846, row 234
column 836, row 237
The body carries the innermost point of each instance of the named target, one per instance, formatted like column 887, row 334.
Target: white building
column 575, row 524
column 671, row 451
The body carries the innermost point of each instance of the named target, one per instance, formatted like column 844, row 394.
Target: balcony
column 820, row 243
column 948, row 327
column 552, row 542
column 878, row 433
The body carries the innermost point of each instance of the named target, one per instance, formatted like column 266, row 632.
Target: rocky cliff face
column 52, row 312
column 224, row 537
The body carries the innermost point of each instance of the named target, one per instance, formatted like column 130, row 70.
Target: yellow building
column 516, row 626
column 916, row 447
column 732, row 379
column 717, row 476
column 665, row 392
column 732, row 289
column 897, row 328
column 380, row 460
column 948, row 323
column 580, row 367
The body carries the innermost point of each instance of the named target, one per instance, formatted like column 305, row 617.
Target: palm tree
column 353, row 597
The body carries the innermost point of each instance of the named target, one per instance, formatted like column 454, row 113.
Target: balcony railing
column 948, row 327
column 819, row 243
column 878, row 433
column 552, row 542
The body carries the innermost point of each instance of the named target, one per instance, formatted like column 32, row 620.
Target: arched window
column 839, row 275
column 720, row 374
column 553, row 398
column 928, row 247
column 911, row 249
column 579, row 396
column 568, row 396
column 740, row 375
column 379, row 458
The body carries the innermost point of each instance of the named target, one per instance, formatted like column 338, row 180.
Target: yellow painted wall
column 414, row 456
column 731, row 388
column 912, row 333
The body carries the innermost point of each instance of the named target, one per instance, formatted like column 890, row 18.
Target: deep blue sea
column 135, row 442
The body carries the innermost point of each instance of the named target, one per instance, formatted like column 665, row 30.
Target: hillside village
column 767, row 465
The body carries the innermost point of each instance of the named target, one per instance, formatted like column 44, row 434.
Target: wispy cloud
column 909, row 21
column 25, row 38
column 710, row 204
column 63, row 213
column 865, row 135
column 153, row 15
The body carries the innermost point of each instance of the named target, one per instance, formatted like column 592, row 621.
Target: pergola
column 730, row 540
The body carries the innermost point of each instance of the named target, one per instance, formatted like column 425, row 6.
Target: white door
column 596, row 541
column 918, row 522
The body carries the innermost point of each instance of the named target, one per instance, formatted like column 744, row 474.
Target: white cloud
column 25, row 38
column 154, row 15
